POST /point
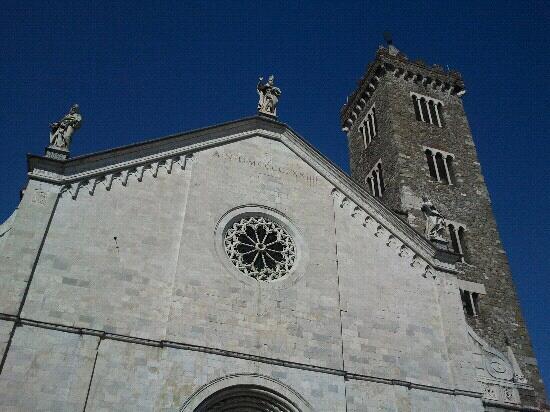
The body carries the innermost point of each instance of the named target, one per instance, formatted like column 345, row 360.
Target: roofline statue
column 61, row 132
column 269, row 96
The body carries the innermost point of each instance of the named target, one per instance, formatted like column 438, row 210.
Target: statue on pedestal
column 62, row 131
column 435, row 222
column 269, row 96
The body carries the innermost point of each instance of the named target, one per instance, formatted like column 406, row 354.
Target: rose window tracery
column 260, row 248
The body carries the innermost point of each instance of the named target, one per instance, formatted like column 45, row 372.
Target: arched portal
column 246, row 393
column 247, row 398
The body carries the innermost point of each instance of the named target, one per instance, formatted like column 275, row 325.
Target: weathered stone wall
column 22, row 243
column 142, row 260
column 382, row 147
column 466, row 201
column 5, row 330
column 162, row 379
column 366, row 396
column 397, row 323
column 47, row 370
column 109, row 259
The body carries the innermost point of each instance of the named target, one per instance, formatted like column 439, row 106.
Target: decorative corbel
column 75, row 189
column 169, row 163
column 379, row 231
column 109, row 181
column 93, row 183
column 155, row 168
column 140, row 170
column 124, row 177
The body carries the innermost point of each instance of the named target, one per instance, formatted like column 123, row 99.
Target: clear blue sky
column 141, row 70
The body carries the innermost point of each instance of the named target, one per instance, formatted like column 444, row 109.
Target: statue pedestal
column 56, row 153
column 268, row 115
column 444, row 251
column 441, row 244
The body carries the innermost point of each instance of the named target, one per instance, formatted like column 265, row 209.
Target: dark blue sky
column 141, row 70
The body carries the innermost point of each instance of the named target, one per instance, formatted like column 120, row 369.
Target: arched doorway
column 246, row 398
column 246, row 393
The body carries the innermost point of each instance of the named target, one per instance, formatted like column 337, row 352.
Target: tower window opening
column 463, row 244
column 440, row 165
column 369, row 127
column 427, row 109
column 470, row 302
column 375, row 180
column 441, row 168
column 458, row 241
column 431, row 164
column 439, row 108
column 416, row 108
column 424, row 110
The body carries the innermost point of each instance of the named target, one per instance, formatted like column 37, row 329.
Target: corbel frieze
column 384, row 234
column 125, row 176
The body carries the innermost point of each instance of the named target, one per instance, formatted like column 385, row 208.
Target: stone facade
column 400, row 144
column 118, row 292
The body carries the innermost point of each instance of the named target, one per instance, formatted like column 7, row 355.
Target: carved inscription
column 267, row 165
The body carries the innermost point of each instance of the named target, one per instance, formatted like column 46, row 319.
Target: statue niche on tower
column 269, row 96
column 61, row 133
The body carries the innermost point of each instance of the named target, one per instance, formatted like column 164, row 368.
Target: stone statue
column 62, row 131
column 435, row 222
column 269, row 96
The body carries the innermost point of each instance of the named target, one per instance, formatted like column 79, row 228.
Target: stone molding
column 255, row 358
column 390, row 239
column 292, row 399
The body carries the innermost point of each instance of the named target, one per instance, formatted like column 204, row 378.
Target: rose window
column 260, row 248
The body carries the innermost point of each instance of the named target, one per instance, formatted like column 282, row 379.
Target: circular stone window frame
column 237, row 213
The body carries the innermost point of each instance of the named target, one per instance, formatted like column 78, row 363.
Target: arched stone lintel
column 247, row 379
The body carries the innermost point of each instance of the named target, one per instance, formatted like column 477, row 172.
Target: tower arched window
column 424, row 110
column 369, row 127
column 457, row 236
column 375, row 180
column 416, row 108
column 440, row 165
column 427, row 109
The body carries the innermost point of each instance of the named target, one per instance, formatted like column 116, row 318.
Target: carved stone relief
column 495, row 372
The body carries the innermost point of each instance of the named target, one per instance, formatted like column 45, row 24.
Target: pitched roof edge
column 54, row 171
column 361, row 197
column 61, row 164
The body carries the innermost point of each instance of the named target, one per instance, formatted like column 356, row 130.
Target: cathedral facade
column 234, row 268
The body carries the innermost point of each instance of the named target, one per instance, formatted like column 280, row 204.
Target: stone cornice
column 399, row 66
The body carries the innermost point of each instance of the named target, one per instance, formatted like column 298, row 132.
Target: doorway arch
column 246, row 392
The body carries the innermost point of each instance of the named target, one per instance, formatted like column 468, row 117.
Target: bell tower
column 409, row 144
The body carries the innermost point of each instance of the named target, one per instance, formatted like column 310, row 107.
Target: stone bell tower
column 409, row 138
